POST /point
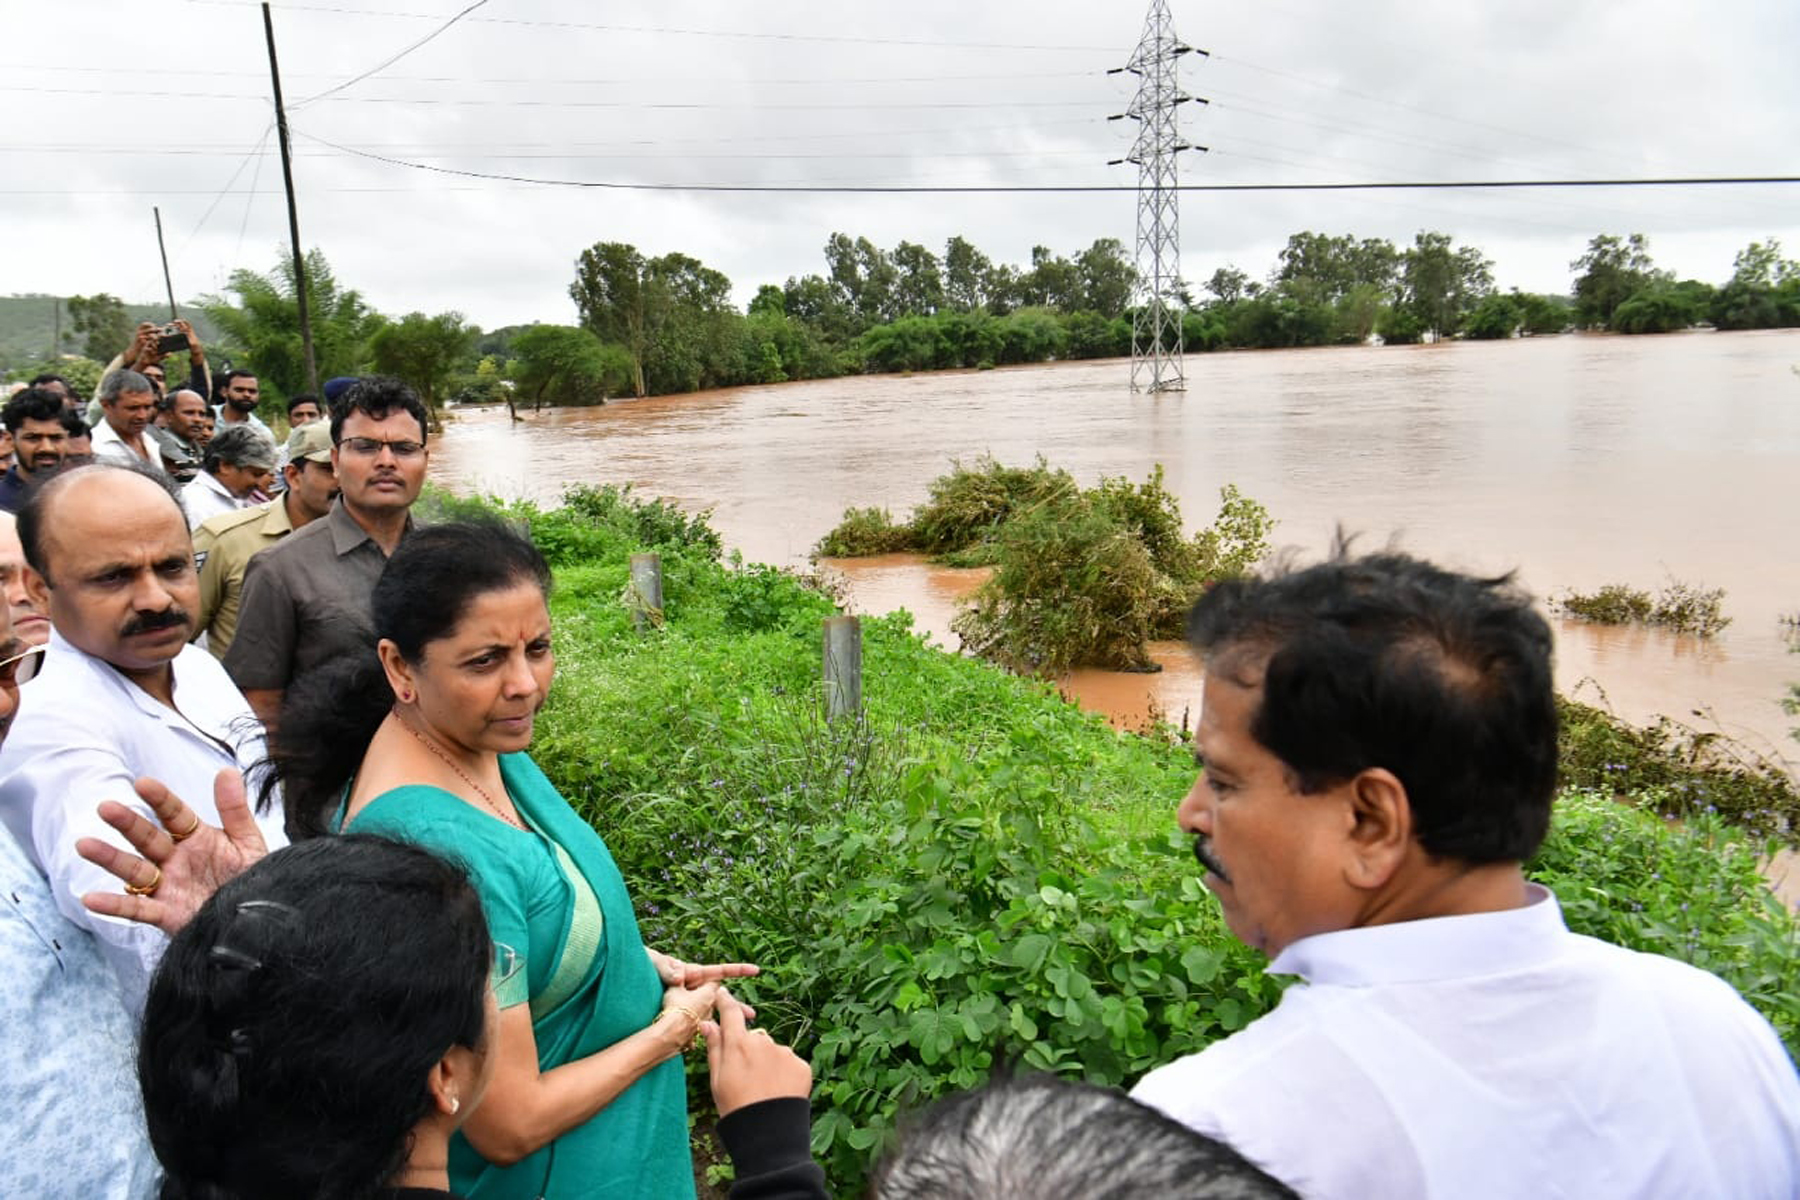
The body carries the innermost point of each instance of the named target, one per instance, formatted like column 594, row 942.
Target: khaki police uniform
column 223, row 548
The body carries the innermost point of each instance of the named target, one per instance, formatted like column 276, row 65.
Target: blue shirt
column 73, row 1113
column 12, row 491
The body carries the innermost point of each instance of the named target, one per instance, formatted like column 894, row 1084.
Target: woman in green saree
column 427, row 744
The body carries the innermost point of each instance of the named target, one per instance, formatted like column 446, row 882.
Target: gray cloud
column 1302, row 92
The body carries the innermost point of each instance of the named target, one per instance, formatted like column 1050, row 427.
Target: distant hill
column 27, row 324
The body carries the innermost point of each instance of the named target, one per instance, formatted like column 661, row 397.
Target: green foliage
column 562, row 364
column 1763, row 293
column 1681, row 771
column 1543, row 314
column 83, row 374
column 862, row 532
column 1682, row 607
column 1439, row 285
column 1497, row 316
column 103, row 325
column 265, row 325
column 424, row 351
column 969, row 505
column 1090, row 577
column 1663, row 307
column 975, row 872
column 1612, row 271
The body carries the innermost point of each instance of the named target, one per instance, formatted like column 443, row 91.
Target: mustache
column 168, row 618
column 1203, row 853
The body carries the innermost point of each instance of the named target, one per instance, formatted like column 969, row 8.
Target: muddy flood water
column 1576, row 460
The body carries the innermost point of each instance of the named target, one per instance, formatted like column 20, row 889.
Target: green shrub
column 864, row 531
column 1682, row 607
column 971, row 503
column 1687, row 773
column 1071, row 585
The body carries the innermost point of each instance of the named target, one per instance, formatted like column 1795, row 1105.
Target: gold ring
column 187, row 833
column 133, row 889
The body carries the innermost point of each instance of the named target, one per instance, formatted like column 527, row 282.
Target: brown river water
column 1576, row 460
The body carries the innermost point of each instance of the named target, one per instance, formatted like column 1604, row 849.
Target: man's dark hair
column 1387, row 661
column 51, row 377
column 303, row 398
column 291, row 1028
column 376, row 397
column 237, row 373
column 238, row 446
column 34, row 514
column 1043, row 1138
column 73, row 424
column 32, row 404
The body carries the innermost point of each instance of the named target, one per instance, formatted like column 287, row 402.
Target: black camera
column 169, row 338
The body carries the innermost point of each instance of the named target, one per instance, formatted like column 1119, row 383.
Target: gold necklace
column 432, row 746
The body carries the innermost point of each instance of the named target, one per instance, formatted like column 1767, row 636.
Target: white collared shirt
column 1497, row 1055
column 83, row 734
column 204, row 496
column 110, row 446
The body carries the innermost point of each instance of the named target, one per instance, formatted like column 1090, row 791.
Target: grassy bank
column 977, row 871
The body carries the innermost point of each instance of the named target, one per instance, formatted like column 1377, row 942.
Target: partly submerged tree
column 424, row 351
column 563, row 364
column 1611, row 272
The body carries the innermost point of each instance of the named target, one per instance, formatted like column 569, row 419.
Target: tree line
column 665, row 324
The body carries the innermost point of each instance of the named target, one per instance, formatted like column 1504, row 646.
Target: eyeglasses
column 9, row 666
column 506, row 964
column 369, row 447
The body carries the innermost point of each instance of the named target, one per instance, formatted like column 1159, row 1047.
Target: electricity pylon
column 1156, row 317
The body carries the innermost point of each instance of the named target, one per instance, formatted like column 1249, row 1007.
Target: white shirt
column 204, row 496
column 83, row 734
column 1497, row 1055
column 110, row 446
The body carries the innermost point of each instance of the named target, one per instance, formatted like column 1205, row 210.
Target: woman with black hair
column 321, row 1027
column 425, row 741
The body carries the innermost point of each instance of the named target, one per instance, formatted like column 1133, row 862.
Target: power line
column 388, row 62
column 611, row 80
column 671, row 31
column 1391, row 185
column 488, row 102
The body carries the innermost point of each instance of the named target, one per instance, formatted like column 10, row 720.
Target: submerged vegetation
column 975, row 872
column 1681, row 607
column 1082, row 576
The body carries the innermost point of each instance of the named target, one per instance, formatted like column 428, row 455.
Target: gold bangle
column 693, row 1015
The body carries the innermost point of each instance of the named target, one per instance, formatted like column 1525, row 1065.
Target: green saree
column 552, row 893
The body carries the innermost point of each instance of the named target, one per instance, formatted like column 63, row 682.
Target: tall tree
column 966, row 271
column 1052, row 282
column 1441, row 283
column 1611, row 272
column 609, row 293
column 102, row 323
column 1228, row 284
column 1107, row 277
column 265, row 323
column 919, row 285
column 424, row 351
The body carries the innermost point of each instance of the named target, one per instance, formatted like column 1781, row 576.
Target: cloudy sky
column 114, row 107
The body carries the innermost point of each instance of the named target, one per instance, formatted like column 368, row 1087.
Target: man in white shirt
column 127, row 405
column 1378, row 739
column 120, row 695
column 237, row 469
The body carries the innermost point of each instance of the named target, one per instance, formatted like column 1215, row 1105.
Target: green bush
column 862, row 532
column 1686, row 772
column 1682, row 607
column 970, row 503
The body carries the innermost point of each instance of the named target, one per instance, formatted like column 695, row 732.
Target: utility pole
column 287, row 179
column 168, row 284
column 1156, row 319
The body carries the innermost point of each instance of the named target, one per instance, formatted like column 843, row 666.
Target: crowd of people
column 276, row 845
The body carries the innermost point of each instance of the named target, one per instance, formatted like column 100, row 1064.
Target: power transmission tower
column 1156, row 318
